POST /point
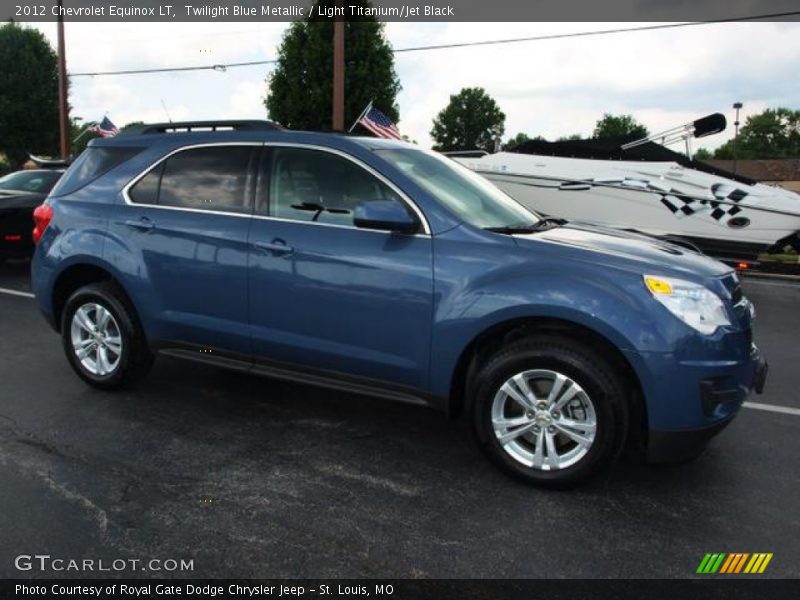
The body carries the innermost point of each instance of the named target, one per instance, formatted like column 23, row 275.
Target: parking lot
column 251, row 477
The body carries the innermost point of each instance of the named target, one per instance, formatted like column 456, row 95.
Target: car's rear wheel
column 549, row 410
column 102, row 337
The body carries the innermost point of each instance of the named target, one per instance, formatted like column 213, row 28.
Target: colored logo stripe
column 734, row 563
column 711, row 563
column 758, row 563
column 725, row 563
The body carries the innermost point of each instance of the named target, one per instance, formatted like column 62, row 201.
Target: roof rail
column 187, row 126
column 465, row 153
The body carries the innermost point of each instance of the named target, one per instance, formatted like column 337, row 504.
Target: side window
column 213, row 178
column 312, row 185
column 146, row 189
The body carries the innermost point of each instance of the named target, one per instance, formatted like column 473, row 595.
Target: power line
column 216, row 67
column 555, row 36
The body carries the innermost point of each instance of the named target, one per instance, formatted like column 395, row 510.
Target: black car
column 20, row 194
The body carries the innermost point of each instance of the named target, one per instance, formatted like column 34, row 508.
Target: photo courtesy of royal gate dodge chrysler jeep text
column 377, row 267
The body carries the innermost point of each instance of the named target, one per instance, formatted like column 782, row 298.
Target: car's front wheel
column 102, row 338
column 549, row 410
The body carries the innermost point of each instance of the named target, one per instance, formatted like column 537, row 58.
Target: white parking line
column 16, row 293
column 785, row 410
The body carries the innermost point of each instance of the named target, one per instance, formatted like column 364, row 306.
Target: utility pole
column 63, row 116
column 737, row 106
column 338, row 68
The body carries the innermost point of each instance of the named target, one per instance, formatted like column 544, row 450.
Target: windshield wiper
column 542, row 225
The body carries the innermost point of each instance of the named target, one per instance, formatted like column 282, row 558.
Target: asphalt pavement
column 250, row 477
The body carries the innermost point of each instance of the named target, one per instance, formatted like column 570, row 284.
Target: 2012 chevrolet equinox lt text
column 374, row 266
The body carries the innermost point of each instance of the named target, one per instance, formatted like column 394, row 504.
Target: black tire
column 579, row 362
column 134, row 359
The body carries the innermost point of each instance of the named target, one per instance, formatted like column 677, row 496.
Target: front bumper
column 676, row 445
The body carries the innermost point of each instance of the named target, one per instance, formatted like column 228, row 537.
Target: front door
column 325, row 294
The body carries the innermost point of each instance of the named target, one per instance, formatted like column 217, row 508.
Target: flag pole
column 85, row 131
column 363, row 112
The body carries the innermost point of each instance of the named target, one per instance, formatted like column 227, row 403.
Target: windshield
column 33, row 182
column 470, row 196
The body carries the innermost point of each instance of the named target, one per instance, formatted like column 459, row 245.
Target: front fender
column 476, row 295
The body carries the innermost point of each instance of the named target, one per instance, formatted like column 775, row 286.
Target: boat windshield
column 471, row 197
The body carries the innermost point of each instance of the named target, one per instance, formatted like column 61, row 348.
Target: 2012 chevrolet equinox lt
column 377, row 267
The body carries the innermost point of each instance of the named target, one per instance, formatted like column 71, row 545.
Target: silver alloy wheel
column 96, row 339
column 544, row 419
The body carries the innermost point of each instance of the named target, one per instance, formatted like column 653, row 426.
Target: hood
column 627, row 250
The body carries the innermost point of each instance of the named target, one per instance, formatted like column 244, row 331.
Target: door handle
column 143, row 224
column 276, row 246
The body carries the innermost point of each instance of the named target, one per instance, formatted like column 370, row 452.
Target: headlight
column 694, row 304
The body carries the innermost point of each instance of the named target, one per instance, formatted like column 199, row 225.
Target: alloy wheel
column 96, row 339
column 544, row 419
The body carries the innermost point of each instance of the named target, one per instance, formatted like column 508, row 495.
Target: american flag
column 379, row 124
column 105, row 128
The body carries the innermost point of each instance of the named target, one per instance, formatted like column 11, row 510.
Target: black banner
column 731, row 588
column 401, row 10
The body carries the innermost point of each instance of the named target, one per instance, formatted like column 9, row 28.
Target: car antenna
column 164, row 104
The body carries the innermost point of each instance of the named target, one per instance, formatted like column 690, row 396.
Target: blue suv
column 376, row 267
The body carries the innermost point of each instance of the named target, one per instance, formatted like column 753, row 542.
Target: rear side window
column 91, row 164
column 213, row 178
column 146, row 189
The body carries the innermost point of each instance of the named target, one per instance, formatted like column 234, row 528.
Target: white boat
column 643, row 186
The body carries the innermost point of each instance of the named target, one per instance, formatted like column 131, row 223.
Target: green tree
column 521, row 138
column 28, row 94
column 618, row 126
column 774, row 133
column 471, row 121
column 570, row 138
column 702, row 154
column 301, row 86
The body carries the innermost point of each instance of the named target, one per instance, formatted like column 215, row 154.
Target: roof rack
column 187, row 126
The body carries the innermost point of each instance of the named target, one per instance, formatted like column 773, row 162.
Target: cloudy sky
column 550, row 88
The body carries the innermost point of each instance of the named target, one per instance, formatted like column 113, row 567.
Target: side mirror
column 385, row 215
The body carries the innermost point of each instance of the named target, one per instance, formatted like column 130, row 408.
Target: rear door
column 187, row 219
column 325, row 294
